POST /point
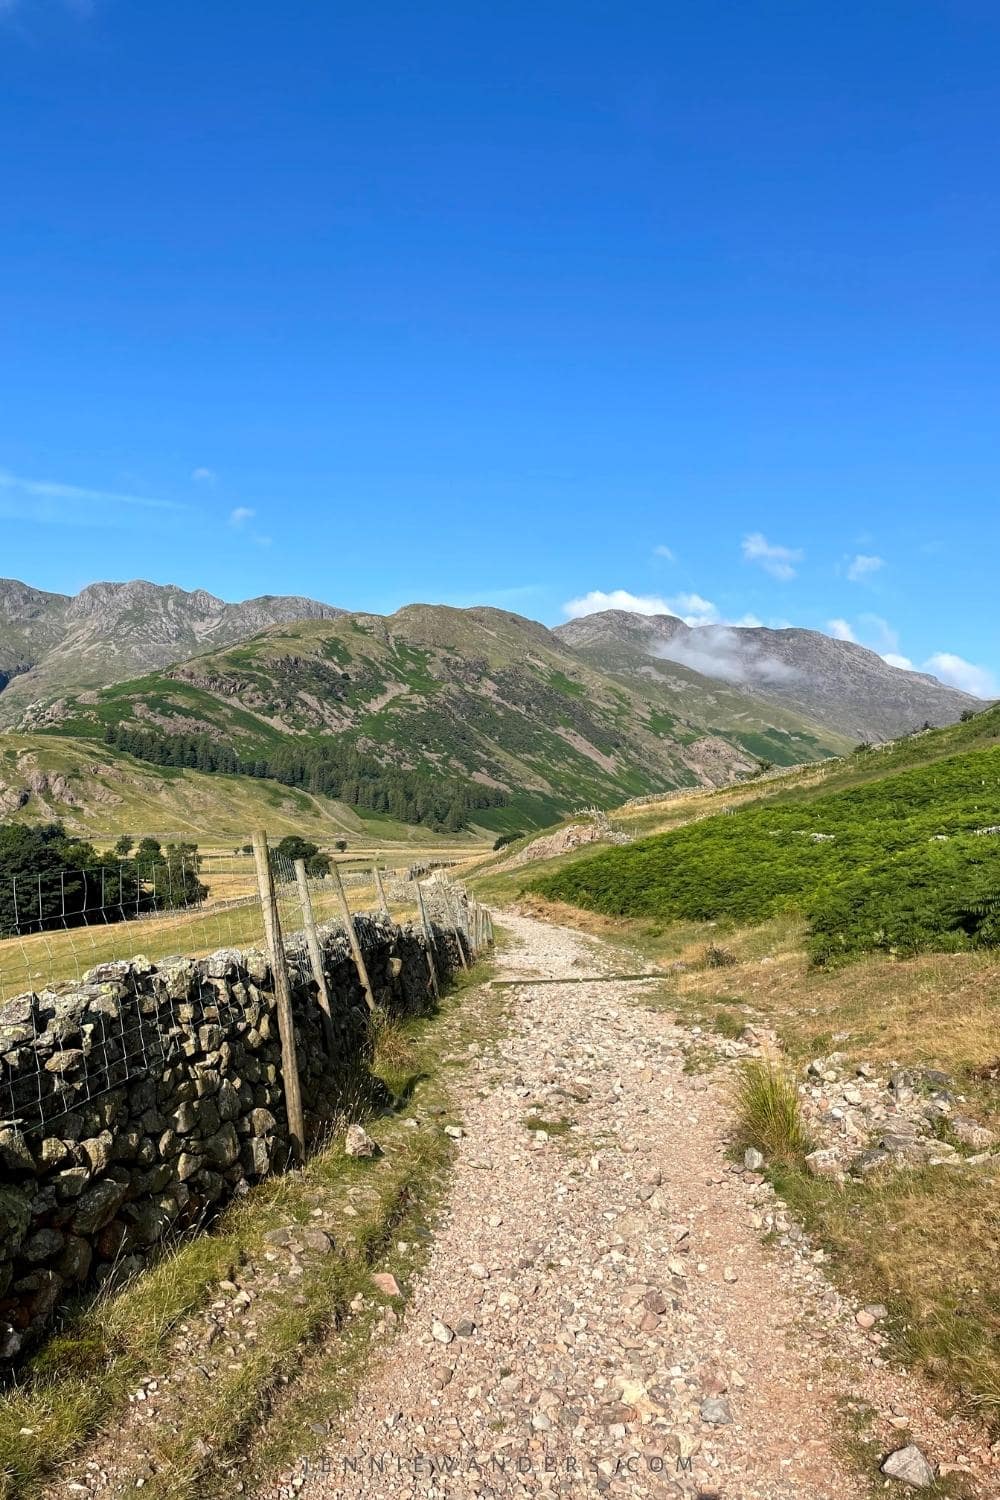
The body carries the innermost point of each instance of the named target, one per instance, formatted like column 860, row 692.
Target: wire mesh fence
column 58, row 924
column 95, row 966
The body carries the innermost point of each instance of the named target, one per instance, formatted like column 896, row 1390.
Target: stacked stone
column 136, row 1102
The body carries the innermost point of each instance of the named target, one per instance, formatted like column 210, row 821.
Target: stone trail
column 599, row 1313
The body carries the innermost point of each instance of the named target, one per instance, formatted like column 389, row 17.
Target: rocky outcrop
column 135, row 1103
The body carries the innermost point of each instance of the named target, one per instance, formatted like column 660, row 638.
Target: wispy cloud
column 841, row 630
column 82, row 8
column 667, row 553
column 240, row 517
column 893, row 659
column 772, row 557
column 879, row 634
column 203, row 475
column 49, row 501
column 722, row 651
column 863, row 565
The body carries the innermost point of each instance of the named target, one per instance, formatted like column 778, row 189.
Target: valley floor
column 610, row 1303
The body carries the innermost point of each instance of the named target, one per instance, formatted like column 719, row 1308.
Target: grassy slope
column 99, row 792
column 472, row 692
column 894, row 863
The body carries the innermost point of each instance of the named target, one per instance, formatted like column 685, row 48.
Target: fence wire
column 80, row 1011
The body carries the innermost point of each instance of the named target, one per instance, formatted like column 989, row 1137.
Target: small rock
column 864, row 1319
column 909, row 1466
column 317, row 1240
column 441, row 1332
column 824, row 1163
column 455, row 1131
column 386, row 1283
column 753, row 1159
column 358, row 1142
column 715, row 1410
column 478, row 1271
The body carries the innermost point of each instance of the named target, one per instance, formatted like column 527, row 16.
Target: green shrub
column 892, row 865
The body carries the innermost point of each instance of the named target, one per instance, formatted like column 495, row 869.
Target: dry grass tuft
column 768, row 1113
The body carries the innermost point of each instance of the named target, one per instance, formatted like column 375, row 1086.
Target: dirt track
column 599, row 1312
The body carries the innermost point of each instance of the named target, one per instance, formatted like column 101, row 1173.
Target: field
column 229, row 918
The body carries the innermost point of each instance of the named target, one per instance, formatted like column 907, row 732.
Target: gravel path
column 599, row 1313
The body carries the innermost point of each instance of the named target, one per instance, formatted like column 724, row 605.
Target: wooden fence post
column 283, row 997
column 380, row 889
column 315, row 950
column 352, row 937
column 428, row 939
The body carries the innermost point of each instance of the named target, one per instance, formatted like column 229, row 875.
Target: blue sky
column 535, row 305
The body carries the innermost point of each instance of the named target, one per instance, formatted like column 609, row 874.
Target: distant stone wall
column 135, row 1103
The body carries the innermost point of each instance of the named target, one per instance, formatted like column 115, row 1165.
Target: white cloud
column 204, row 476
column 773, row 558
column 863, row 566
column 693, row 609
column 959, row 673
column 841, row 630
column 893, row 659
column 633, row 604
column 664, row 552
column 241, row 515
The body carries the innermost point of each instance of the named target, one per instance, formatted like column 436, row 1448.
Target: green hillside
column 97, row 792
column 886, row 853
column 444, row 717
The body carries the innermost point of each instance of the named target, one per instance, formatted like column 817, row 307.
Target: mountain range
column 839, row 684
column 447, row 717
column 54, row 643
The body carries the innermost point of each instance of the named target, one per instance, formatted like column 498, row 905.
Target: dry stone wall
column 135, row 1103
